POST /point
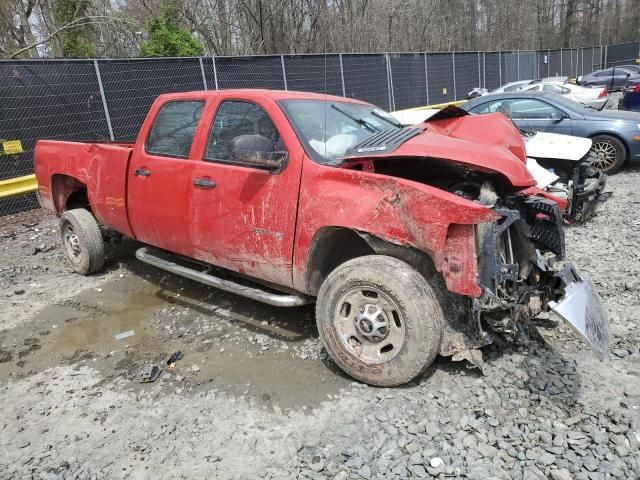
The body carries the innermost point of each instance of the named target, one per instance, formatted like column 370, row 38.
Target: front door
column 159, row 180
column 243, row 217
column 537, row 115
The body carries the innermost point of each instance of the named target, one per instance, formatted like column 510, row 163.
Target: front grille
column 545, row 224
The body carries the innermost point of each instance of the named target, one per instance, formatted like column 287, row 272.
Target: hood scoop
column 383, row 142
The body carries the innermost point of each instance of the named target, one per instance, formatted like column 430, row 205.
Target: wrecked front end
column 564, row 167
column 522, row 272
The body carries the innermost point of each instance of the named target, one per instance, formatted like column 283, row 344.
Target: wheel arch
column 333, row 246
column 68, row 193
column 617, row 137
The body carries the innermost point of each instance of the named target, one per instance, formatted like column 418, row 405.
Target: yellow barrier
column 437, row 105
column 16, row 186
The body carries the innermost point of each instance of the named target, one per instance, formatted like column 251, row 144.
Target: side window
column 555, row 89
column 480, row 109
column 603, row 73
column 235, row 118
column 527, row 108
column 174, row 127
column 514, row 88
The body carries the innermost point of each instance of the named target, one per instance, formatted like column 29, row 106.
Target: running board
column 275, row 299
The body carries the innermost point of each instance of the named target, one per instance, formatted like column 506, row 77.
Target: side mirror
column 556, row 116
column 257, row 151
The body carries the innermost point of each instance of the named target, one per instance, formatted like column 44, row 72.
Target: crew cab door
column 159, row 180
column 242, row 216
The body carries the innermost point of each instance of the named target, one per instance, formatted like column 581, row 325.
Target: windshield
column 329, row 129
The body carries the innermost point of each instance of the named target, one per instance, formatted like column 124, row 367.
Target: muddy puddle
column 229, row 344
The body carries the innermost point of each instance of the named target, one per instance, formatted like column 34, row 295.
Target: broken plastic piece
column 128, row 333
column 149, row 374
column 175, row 356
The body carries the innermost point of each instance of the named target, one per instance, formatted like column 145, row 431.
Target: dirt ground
column 255, row 395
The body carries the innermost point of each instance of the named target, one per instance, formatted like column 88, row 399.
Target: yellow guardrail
column 16, row 186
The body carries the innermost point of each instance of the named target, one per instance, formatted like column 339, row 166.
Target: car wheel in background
column 609, row 153
column 380, row 320
column 82, row 241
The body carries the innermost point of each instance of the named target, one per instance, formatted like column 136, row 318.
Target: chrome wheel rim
column 71, row 244
column 370, row 325
column 605, row 155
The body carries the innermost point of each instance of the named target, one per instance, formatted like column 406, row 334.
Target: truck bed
column 62, row 167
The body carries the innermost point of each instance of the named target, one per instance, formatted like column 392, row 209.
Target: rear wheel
column 609, row 153
column 82, row 241
column 379, row 320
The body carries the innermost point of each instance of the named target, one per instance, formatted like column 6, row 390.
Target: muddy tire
column 82, row 241
column 609, row 153
column 379, row 320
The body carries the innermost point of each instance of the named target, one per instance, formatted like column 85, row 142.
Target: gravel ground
column 255, row 396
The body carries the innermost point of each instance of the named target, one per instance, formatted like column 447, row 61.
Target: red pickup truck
column 412, row 241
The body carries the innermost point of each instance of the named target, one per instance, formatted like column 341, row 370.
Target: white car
column 590, row 97
column 560, row 164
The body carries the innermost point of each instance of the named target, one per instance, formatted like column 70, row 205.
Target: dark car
column 615, row 134
column 631, row 98
column 614, row 78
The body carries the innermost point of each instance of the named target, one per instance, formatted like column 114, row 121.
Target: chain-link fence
column 107, row 100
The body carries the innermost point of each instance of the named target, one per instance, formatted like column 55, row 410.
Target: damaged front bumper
column 581, row 307
column 587, row 196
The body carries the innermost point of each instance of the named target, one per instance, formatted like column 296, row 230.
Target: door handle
column 141, row 172
column 204, row 183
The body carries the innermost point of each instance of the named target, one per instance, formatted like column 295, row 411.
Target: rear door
column 243, row 217
column 159, row 180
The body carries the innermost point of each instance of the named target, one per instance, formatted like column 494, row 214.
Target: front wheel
column 609, row 153
column 82, row 241
column 379, row 320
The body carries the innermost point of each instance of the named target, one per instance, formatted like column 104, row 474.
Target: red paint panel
column 459, row 266
column 397, row 210
column 101, row 167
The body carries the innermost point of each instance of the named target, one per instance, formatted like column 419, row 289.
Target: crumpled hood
column 488, row 143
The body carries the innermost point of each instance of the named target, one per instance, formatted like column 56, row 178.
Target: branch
column 76, row 23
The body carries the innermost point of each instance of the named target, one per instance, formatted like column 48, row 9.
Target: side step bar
column 275, row 299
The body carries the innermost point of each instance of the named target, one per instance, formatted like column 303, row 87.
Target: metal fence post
column 215, row 72
column 479, row 81
column 344, row 90
column 204, row 77
column 484, row 69
column 561, row 61
column 518, row 53
column 453, row 63
column 426, row 77
column 500, row 67
column 548, row 63
column 284, row 72
column 606, row 55
column 104, row 100
column 390, row 82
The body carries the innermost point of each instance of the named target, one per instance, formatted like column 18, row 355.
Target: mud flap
column 581, row 307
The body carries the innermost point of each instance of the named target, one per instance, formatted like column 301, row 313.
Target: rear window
column 174, row 128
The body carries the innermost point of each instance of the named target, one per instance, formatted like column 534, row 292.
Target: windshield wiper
column 359, row 121
column 393, row 122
